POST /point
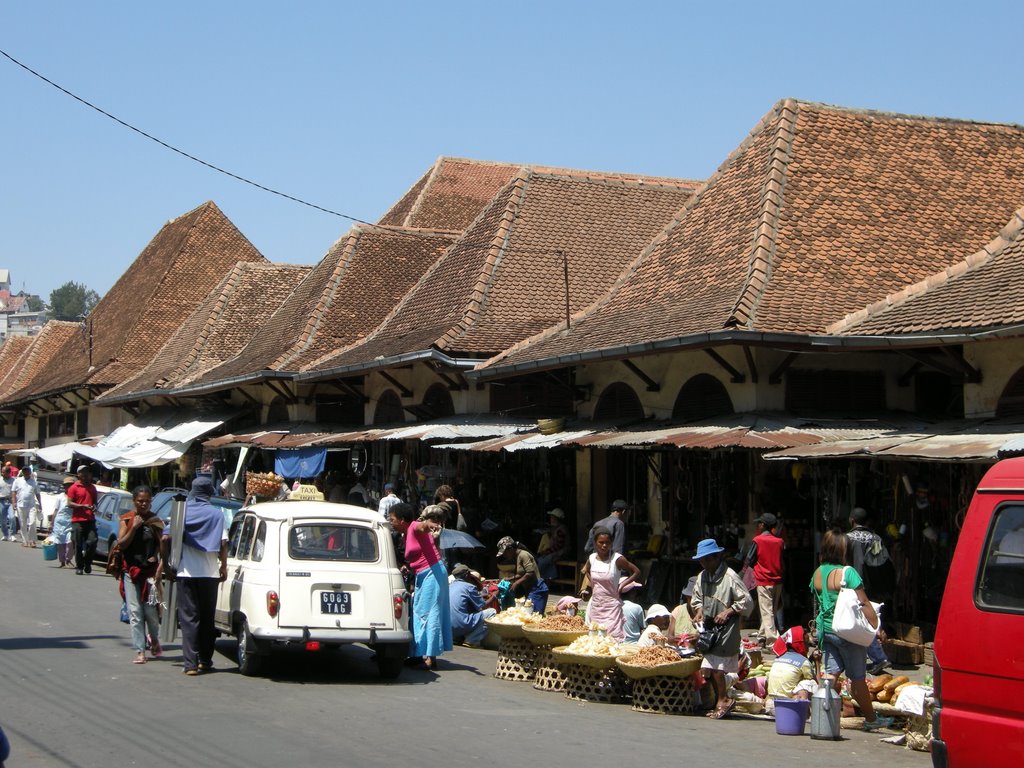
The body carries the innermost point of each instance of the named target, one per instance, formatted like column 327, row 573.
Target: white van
column 314, row 575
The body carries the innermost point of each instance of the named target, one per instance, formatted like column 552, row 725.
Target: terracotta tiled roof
column 218, row 329
column 39, row 357
column 982, row 291
column 342, row 299
column 504, row 279
column 12, row 351
column 176, row 271
column 819, row 211
column 455, row 190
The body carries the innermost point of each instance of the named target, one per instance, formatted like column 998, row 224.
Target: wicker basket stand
column 517, row 660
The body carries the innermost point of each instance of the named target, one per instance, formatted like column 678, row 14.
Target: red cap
column 793, row 638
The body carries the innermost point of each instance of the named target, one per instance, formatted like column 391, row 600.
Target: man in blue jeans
column 8, row 524
column 467, row 606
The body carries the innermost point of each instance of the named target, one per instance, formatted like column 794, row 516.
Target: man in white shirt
column 29, row 506
column 7, row 524
column 388, row 500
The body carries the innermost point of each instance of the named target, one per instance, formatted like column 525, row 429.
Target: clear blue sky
column 347, row 104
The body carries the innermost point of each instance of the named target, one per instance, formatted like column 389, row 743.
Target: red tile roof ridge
column 1007, row 235
column 418, row 204
column 630, row 270
column 759, row 269
column 618, row 180
column 887, row 115
column 563, row 171
column 495, row 250
column 41, row 351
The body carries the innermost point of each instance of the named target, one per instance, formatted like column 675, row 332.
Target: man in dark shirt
column 82, row 498
column 614, row 524
column 870, row 558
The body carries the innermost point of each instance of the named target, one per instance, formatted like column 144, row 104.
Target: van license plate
column 335, row 602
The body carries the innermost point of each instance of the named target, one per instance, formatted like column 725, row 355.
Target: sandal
column 156, row 651
column 140, row 659
column 722, row 712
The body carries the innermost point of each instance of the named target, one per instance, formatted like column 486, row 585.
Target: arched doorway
column 278, row 411
column 1011, row 401
column 701, row 397
column 437, row 402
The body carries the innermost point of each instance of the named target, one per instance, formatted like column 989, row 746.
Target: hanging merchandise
column 300, row 462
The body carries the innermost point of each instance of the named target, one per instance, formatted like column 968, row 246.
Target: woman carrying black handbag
column 719, row 600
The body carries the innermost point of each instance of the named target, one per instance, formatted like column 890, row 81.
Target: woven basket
column 551, row 636
column 583, row 659
column 510, row 631
column 550, row 426
column 681, row 668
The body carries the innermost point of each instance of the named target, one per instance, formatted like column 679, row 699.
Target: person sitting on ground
column 467, row 606
column 658, row 619
column 634, row 618
column 681, row 629
column 791, row 676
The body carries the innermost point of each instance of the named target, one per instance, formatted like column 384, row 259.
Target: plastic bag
column 125, row 618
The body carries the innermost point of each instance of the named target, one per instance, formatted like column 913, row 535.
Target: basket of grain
column 596, row 651
column 657, row 662
column 555, row 630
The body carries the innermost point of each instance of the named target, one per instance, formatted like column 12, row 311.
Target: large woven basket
column 551, row 636
column 583, row 659
column 681, row 668
column 505, row 630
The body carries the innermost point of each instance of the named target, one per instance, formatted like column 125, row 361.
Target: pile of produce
column 885, row 689
column 516, row 615
column 560, row 623
column 594, row 645
column 653, row 656
column 264, row 484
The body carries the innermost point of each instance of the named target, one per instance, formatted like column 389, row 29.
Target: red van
column 979, row 662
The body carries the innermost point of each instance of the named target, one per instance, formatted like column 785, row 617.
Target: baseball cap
column 83, row 468
column 769, row 520
column 388, row 487
column 504, row 544
column 69, row 480
column 556, row 512
column 460, row 571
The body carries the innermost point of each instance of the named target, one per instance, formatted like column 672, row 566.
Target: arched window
column 1011, row 402
column 278, row 411
column 389, row 408
column 438, row 402
column 618, row 402
column 701, row 397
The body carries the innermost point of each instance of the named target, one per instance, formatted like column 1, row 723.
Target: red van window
column 1000, row 586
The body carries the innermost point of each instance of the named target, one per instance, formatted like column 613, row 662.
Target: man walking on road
column 25, row 496
column 203, row 564
column 82, row 499
column 614, row 524
column 7, row 524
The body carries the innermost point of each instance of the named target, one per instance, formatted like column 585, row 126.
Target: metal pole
column 169, row 627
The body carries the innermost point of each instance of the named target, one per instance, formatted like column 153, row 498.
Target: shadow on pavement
column 37, row 643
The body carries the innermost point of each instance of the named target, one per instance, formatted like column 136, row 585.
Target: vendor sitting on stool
column 791, row 676
column 527, row 580
column 467, row 606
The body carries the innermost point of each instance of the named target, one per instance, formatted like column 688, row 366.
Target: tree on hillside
column 34, row 303
column 71, row 301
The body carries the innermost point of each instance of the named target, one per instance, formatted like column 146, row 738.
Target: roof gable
column 39, row 356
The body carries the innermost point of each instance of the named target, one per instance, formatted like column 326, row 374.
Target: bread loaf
column 878, row 683
column 896, row 682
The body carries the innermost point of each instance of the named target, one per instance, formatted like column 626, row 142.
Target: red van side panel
column 981, row 653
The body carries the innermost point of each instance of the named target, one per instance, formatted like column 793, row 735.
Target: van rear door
column 335, row 574
column 981, row 623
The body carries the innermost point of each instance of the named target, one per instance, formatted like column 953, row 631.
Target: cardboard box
column 900, row 652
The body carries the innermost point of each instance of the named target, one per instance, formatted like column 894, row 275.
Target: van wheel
column 390, row 667
column 249, row 661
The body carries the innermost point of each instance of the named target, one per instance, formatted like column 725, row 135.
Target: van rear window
column 332, row 542
column 1000, row 584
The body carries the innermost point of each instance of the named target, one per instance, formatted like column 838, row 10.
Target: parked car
column 978, row 718
column 48, row 494
column 113, row 502
column 314, row 575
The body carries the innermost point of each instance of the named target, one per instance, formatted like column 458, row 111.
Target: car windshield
column 332, row 541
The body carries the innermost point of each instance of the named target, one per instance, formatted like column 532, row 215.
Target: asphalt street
column 69, row 696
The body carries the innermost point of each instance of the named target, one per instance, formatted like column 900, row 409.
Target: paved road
column 69, row 696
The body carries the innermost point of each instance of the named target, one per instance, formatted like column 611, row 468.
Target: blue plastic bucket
column 791, row 716
column 49, row 551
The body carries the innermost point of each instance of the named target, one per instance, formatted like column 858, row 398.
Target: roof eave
column 422, row 355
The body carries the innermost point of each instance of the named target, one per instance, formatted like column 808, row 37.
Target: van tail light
column 312, row 645
column 399, row 604
column 273, row 603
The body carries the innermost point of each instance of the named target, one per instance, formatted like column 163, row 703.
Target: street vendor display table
column 666, row 689
column 592, row 678
column 517, row 656
column 550, row 675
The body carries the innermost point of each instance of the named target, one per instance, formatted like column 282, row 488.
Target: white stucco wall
column 998, row 361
